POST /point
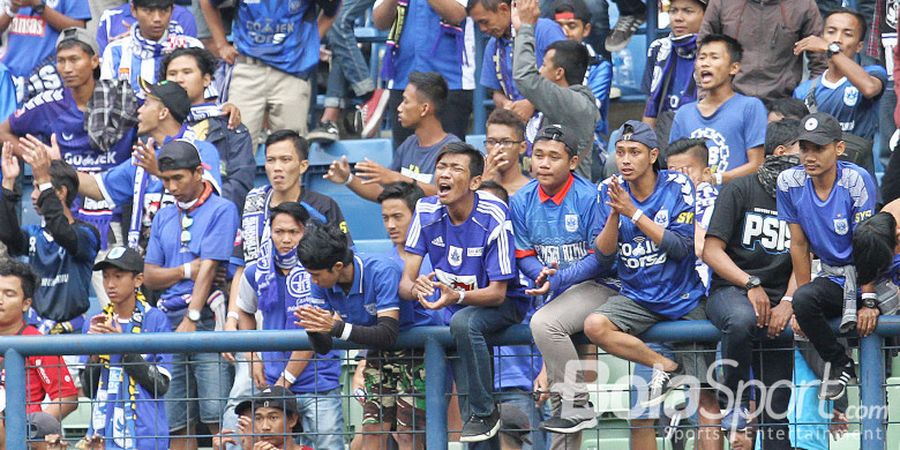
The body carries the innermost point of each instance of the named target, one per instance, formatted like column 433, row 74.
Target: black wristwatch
column 870, row 303
column 753, row 282
column 38, row 10
column 833, row 48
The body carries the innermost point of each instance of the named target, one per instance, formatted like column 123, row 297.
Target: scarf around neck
column 267, row 265
column 769, row 170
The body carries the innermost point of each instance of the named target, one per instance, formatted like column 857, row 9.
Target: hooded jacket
column 768, row 30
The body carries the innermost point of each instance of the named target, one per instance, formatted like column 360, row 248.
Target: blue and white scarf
column 269, row 261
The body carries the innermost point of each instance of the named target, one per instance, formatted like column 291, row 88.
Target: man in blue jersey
column 823, row 200
column 193, row 69
column 33, row 27
column 61, row 249
column 276, row 285
column 188, row 242
column 423, row 99
column 555, row 219
column 64, row 112
column 733, row 125
column 574, row 17
column 847, row 90
column 116, row 23
column 136, row 181
column 126, row 388
column 138, row 56
column 468, row 238
column 276, row 49
column 362, row 291
column 648, row 229
column 428, row 36
column 494, row 18
column 748, row 249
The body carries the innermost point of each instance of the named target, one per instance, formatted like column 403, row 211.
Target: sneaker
column 583, row 418
column 372, row 112
column 661, row 385
column 621, row 34
column 736, row 419
column 478, row 429
column 326, row 133
column 834, row 385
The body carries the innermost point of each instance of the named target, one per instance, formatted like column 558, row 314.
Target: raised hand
column 10, row 167
column 338, row 171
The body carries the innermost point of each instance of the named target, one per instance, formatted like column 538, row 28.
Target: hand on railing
column 358, row 385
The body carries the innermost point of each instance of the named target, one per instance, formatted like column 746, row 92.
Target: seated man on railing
column 648, row 229
column 46, row 376
column 276, row 285
column 468, row 238
column 126, row 389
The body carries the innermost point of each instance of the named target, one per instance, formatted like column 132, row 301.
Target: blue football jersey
column 649, row 277
column 374, row 291
column 857, row 114
column 828, row 224
column 472, row 254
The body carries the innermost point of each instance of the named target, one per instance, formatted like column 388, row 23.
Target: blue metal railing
column 435, row 341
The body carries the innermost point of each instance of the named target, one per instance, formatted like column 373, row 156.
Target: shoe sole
column 587, row 424
column 482, row 437
column 662, row 398
column 321, row 138
column 617, row 47
column 372, row 126
column 820, row 396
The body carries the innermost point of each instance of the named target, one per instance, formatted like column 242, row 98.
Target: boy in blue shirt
column 648, row 231
column 61, row 249
column 188, row 242
column 126, row 388
column 276, row 285
column 823, row 201
column 362, row 290
column 555, row 219
column 733, row 125
column 116, row 23
column 468, row 238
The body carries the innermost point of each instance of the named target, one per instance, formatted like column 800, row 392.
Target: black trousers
column 814, row 304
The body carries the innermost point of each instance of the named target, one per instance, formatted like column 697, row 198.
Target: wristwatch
column 869, row 302
column 752, row 282
column 833, row 48
column 193, row 315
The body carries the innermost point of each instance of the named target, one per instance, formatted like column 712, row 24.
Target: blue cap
column 637, row 131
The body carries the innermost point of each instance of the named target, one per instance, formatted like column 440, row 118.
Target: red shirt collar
column 558, row 198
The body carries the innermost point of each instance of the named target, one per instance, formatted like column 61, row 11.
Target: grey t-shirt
column 417, row 162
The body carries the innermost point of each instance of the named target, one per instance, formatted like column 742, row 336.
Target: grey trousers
column 552, row 327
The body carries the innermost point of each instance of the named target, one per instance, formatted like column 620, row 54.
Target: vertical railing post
column 480, row 95
column 652, row 23
column 14, row 364
column 871, row 393
column 435, row 395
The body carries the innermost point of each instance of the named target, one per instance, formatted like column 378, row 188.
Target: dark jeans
column 886, row 124
column 454, row 115
column 815, row 303
column 631, row 8
column 474, row 376
column 730, row 311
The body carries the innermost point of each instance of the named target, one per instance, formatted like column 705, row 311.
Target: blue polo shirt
column 374, row 291
column 281, row 34
column 412, row 313
column 116, row 24
column 497, row 62
column 428, row 44
column 213, row 232
column 320, row 375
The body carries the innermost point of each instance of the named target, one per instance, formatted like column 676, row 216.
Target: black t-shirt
column 746, row 219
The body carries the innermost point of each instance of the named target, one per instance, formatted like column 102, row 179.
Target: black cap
column 179, row 154
column 271, row 397
column 172, row 96
column 820, row 129
column 577, row 8
column 41, row 424
column 560, row 133
column 637, row 131
column 78, row 34
column 162, row 4
column 124, row 258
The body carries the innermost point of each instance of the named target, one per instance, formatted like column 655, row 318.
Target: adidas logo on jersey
column 438, row 241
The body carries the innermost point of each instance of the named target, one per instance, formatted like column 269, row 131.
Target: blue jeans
column 886, row 124
column 200, row 381
column 473, row 373
column 730, row 311
column 323, row 419
column 348, row 65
